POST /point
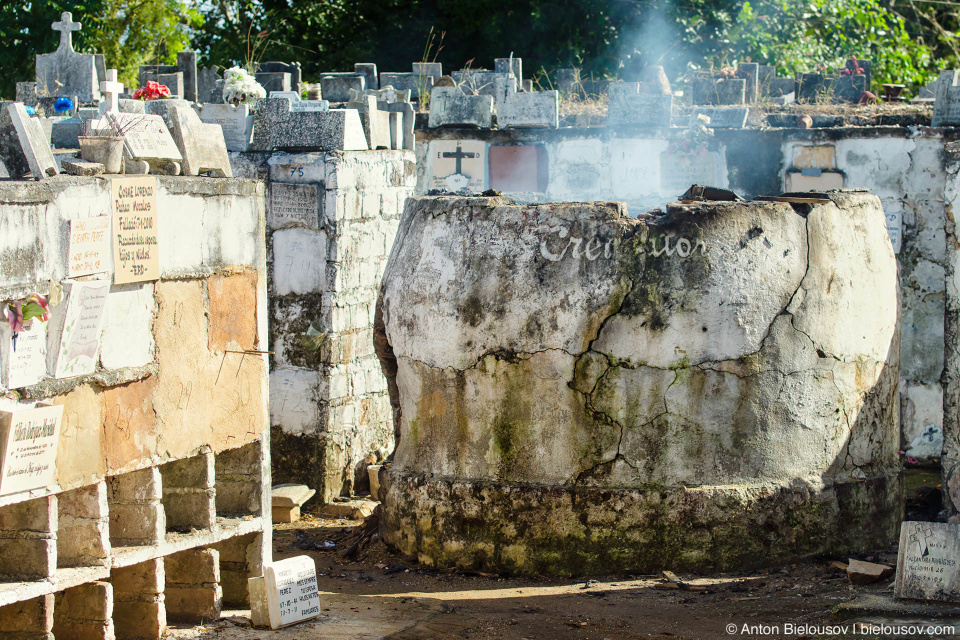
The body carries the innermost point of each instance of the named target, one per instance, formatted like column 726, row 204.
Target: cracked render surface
column 580, row 390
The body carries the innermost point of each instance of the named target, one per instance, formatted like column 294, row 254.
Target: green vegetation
column 909, row 41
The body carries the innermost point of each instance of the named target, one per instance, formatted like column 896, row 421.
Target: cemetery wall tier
column 671, row 389
column 331, row 221
column 157, row 392
column 648, row 168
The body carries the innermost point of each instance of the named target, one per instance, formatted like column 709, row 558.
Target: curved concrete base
column 530, row 529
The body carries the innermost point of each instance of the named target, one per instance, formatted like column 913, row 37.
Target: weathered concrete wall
column 329, row 403
column 150, row 437
column 906, row 168
column 582, row 391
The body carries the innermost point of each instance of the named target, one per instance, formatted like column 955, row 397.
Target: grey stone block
column 627, row 106
column 202, row 145
column 369, row 71
column 187, row 63
column 480, row 82
column 277, row 126
column 336, row 87
column 508, row 65
column 207, row 88
column 528, row 109
column 274, row 80
column 172, row 81
column 450, row 107
column 432, row 69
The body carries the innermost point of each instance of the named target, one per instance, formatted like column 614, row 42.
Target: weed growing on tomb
column 434, row 47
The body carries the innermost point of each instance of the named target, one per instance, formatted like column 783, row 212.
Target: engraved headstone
column 146, row 138
column 235, row 120
column 928, row 564
column 33, row 142
column 449, row 106
column 335, row 87
column 527, row 109
column 24, row 354
column 66, row 72
column 30, row 440
column 89, row 246
column 292, row 593
column 293, row 205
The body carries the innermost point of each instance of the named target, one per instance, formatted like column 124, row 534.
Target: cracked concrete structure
column 579, row 391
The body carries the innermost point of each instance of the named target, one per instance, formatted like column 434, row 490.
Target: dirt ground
column 384, row 595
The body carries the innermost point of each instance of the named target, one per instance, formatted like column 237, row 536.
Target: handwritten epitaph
column 25, row 355
column 928, row 565
column 292, row 591
column 135, row 254
column 89, row 244
column 82, row 322
column 30, row 439
column 294, row 204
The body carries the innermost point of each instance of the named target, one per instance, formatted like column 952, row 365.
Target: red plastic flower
column 152, row 91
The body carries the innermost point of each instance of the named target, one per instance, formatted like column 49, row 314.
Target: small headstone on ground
column 288, row 498
column 928, row 564
column 287, row 593
column 527, row 109
column 34, row 143
column 860, row 572
column 201, row 145
column 369, row 72
column 30, row 439
column 235, row 120
column 449, row 106
column 78, row 322
column 277, row 126
column 336, row 87
column 946, row 108
column 627, row 106
column 722, row 118
column 24, row 354
column 66, row 72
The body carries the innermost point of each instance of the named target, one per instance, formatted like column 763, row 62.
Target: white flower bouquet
column 239, row 87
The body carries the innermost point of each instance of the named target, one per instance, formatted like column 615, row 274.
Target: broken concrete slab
column 861, row 572
column 33, row 142
column 79, row 168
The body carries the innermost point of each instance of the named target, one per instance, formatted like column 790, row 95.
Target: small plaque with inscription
column 30, row 439
column 136, row 257
column 292, row 591
column 928, row 565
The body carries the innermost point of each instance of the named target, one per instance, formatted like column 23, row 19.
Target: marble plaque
column 30, row 440
column 24, row 354
column 294, row 205
column 236, row 122
column 82, row 323
column 928, row 565
column 458, row 164
column 292, row 591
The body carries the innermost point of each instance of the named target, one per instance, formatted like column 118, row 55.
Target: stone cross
column 112, row 90
column 66, row 27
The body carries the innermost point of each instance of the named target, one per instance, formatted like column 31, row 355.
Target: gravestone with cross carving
column 66, row 72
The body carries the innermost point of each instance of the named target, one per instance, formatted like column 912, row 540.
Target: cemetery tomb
column 711, row 394
column 66, row 72
column 134, row 481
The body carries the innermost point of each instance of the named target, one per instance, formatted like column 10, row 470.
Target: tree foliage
column 129, row 33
